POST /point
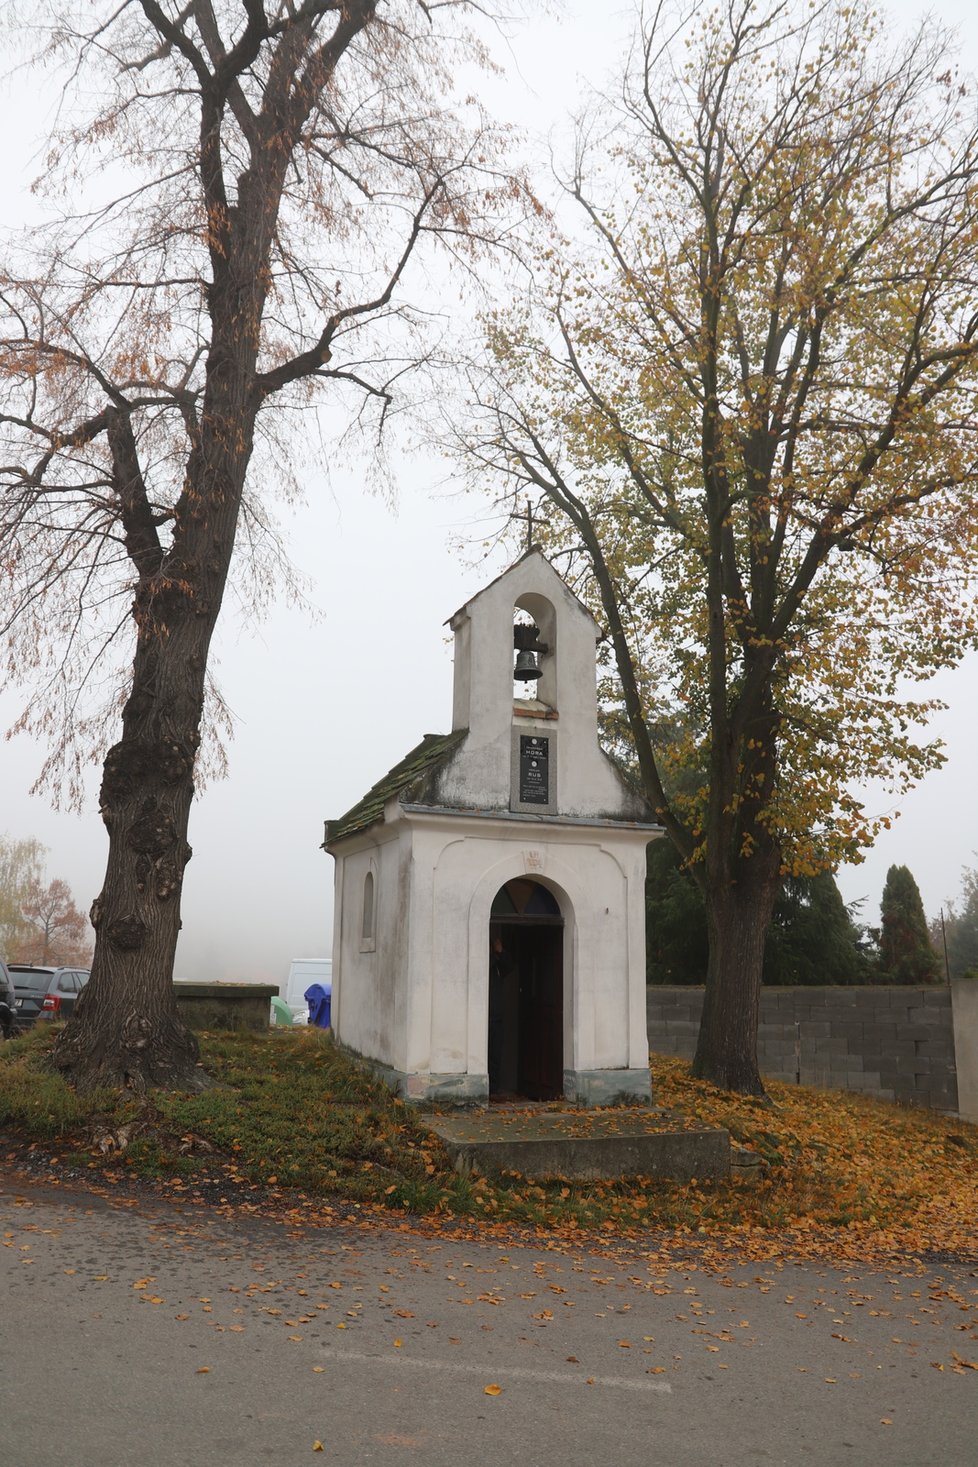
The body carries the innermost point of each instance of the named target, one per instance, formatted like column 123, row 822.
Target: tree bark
column 147, row 789
column 738, row 917
column 146, row 794
column 148, row 777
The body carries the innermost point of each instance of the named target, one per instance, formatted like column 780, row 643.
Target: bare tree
column 53, row 930
column 259, row 179
column 21, row 864
column 954, row 933
column 748, row 396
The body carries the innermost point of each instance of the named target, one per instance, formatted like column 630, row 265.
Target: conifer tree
column 813, row 938
column 906, row 955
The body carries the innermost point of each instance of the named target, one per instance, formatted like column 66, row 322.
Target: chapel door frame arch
column 527, row 989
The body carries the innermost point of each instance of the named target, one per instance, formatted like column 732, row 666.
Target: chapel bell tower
column 504, row 864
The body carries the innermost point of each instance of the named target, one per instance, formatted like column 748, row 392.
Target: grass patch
column 292, row 1121
column 34, row 1100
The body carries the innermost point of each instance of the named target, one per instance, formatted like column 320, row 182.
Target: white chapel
column 489, row 919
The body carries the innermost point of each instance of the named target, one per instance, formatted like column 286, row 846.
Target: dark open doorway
column 526, row 993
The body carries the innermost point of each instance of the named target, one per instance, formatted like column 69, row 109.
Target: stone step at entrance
column 575, row 1145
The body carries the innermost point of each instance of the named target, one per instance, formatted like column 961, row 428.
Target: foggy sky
column 323, row 710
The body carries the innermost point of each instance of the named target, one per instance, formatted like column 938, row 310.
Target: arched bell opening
column 526, row 992
column 534, row 643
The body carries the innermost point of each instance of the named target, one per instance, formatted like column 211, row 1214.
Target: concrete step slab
column 583, row 1146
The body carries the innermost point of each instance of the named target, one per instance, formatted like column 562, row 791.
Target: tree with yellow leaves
column 750, row 393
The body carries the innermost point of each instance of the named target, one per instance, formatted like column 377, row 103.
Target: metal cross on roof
column 528, row 516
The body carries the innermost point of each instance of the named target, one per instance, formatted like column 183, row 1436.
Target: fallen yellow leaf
column 493, row 1390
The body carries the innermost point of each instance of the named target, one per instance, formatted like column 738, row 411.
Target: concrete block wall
column 964, row 1002
column 895, row 1042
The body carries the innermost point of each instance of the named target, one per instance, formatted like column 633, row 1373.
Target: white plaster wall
column 364, row 1008
column 447, row 1020
column 479, row 775
column 462, row 685
column 420, row 963
column 458, row 866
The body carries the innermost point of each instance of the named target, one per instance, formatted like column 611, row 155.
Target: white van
column 303, row 973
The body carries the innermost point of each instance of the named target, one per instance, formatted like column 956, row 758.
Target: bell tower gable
column 525, row 688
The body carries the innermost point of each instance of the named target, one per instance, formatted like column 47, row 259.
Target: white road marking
column 500, row 1372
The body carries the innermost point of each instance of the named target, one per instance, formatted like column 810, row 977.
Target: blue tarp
column 319, row 997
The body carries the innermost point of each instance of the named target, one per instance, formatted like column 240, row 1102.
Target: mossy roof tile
column 411, row 771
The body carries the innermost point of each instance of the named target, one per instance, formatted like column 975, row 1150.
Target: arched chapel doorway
column 526, row 992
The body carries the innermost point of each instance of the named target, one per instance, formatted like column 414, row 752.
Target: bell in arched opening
column 526, row 640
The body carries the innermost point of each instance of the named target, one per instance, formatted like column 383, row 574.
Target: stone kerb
column 894, row 1042
column 619, row 1143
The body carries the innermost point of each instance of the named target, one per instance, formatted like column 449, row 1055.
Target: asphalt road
column 156, row 1335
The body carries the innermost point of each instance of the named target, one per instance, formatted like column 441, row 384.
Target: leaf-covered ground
column 292, row 1124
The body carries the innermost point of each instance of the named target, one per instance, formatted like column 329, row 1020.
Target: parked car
column 6, row 1002
column 44, row 993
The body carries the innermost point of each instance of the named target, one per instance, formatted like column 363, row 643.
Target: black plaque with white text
column 534, row 769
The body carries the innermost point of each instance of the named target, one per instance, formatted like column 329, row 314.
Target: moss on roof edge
column 413, row 769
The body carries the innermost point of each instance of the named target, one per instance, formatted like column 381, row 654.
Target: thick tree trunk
column 738, row 918
column 126, row 1030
